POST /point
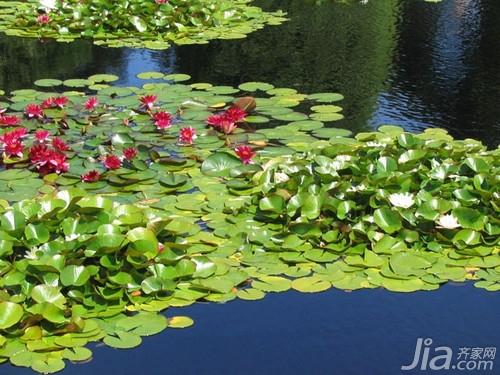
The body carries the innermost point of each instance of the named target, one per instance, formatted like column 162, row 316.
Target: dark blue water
column 367, row 332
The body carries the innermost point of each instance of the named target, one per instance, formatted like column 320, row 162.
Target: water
column 408, row 62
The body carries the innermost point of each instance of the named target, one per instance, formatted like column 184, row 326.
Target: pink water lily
column 112, row 162
column 130, row 153
column 148, row 101
column 9, row 120
column 226, row 122
column 91, row 176
column 47, row 160
column 59, row 144
column 91, row 103
column 55, row 102
column 11, row 142
column 43, row 19
column 162, row 120
column 42, row 135
column 245, row 153
column 187, row 136
column 33, row 111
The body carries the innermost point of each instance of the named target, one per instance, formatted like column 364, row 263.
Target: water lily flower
column 9, row 120
column 43, row 19
column 13, row 149
column 91, row 103
column 91, row 176
column 225, row 122
column 187, row 136
column 12, row 141
column 148, row 101
column 130, row 153
column 61, row 101
column 159, row 2
column 33, row 111
column 403, row 200
column 59, row 144
column 48, row 160
column 448, row 222
column 235, row 114
column 245, row 153
column 42, row 135
column 162, row 120
column 52, row 102
column 112, row 162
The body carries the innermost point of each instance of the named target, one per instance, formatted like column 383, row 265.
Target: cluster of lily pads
column 118, row 203
column 153, row 24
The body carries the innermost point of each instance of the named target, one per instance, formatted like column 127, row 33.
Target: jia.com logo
column 444, row 358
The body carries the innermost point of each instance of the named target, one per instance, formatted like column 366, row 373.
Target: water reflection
column 406, row 62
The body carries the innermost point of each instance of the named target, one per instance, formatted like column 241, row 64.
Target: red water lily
column 43, row 19
column 235, row 114
column 9, row 120
column 161, row 1
column 225, row 122
column 112, row 162
column 162, row 120
column 148, row 101
column 42, row 135
column 91, row 103
column 55, row 102
column 59, row 144
column 245, row 153
column 130, row 153
column 187, row 136
column 61, row 101
column 47, row 160
column 33, row 111
column 13, row 149
column 92, row 176
column 12, row 142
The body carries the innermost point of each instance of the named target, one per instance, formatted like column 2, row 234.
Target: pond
column 404, row 62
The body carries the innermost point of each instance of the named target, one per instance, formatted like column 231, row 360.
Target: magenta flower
column 42, row 135
column 33, row 111
column 187, row 136
column 245, row 153
column 48, row 160
column 148, row 101
column 91, row 103
column 162, row 120
column 13, row 149
column 235, row 114
column 225, row 122
column 9, row 120
column 112, row 162
column 59, row 144
column 130, row 153
column 92, row 176
column 12, row 144
column 43, row 19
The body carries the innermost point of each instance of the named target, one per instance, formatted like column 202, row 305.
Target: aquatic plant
column 136, row 23
column 146, row 217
